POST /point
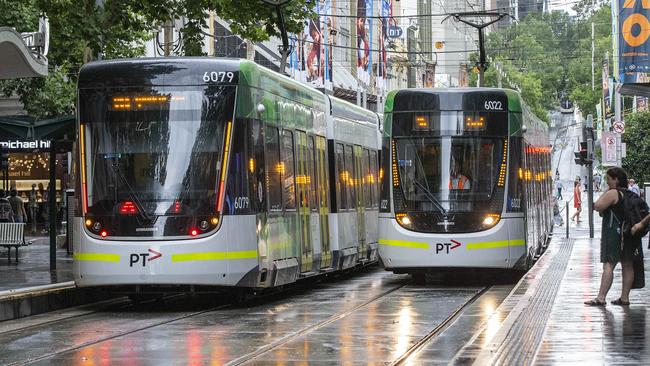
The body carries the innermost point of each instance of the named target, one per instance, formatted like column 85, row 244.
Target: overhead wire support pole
column 462, row 17
column 285, row 49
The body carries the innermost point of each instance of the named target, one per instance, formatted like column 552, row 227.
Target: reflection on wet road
column 371, row 318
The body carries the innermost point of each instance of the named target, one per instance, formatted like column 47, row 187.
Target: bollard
column 567, row 219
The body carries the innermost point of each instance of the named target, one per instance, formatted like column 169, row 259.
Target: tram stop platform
column 29, row 287
column 544, row 319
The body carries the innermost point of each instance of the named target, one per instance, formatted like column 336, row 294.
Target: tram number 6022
column 493, row 105
column 218, row 76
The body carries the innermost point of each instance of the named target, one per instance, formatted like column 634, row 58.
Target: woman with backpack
column 611, row 208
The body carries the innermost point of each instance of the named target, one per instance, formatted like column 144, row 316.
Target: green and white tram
column 218, row 172
column 466, row 181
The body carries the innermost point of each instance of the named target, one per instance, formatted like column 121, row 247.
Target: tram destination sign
column 26, row 145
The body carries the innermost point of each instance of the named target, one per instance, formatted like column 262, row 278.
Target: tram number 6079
column 242, row 202
column 493, row 105
column 218, row 76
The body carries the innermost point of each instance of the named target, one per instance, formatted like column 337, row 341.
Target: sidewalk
column 544, row 321
column 33, row 268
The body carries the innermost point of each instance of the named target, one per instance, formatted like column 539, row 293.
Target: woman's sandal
column 596, row 302
column 620, row 302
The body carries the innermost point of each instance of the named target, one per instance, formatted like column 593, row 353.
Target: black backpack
column 634, row 210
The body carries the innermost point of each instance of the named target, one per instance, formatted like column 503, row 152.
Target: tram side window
column 312, row 168
column 288, row 177
column 365, row 171
column 256, row 165
column 373, row 177
column 343, row 178
column 351, row 176
column 384, row 176
column 273, row 168
column 516, row 169
column 323, row 178
column 237, row 188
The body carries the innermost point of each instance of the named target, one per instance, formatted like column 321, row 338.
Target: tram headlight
column 491, row 220
column 403, row 219
column 89, row 222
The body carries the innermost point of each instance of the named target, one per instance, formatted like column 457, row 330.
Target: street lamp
column 285, row 49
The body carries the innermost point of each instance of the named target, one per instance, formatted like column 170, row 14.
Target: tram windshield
column 448, row 174
column 152, row 152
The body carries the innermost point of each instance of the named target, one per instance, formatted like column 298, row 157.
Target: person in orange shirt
column 456, row 179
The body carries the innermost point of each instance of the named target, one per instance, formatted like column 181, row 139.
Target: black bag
column 634, row 210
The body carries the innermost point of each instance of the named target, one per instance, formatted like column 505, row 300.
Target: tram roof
column 191, row 71
column 418, row 99
column 342, row 108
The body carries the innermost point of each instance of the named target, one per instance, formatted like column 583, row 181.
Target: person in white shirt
column 634, row 187
column 559, row 186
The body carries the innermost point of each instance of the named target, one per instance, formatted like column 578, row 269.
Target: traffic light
column 4, row 157
column 582, row 156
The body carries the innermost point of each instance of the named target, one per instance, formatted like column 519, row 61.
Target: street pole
column 588, row 136
column 52, row 206
column 593, row 62
column 618, row 117
column 285, row 49
column 482, row 64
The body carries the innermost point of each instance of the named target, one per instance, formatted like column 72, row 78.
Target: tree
column 635, row 137
column 84, row 30
column 551, row 53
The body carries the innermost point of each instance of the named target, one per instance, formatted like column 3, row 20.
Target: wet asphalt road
column 373, row 317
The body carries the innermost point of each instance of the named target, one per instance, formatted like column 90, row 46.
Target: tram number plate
column 218, row 76
column 493, row 105
column 242, row 203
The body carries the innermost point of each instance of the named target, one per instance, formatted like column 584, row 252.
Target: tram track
column 114, row 336
column 413, row 350
column 419, row 345
column 308, row 329
column 387, row 296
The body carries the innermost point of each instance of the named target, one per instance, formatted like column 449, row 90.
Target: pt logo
column 446, row 247
column 136, row 258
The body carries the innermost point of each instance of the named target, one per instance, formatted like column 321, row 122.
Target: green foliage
column 636, row 163
column 81, row 31
column 549, row 57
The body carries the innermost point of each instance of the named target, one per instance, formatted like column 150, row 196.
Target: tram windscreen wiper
column 138, row 204
column 429, row 195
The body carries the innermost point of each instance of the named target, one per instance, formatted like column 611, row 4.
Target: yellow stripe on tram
column 97, row 257
column 494, row 244
column 404, row 243
column 214, row 256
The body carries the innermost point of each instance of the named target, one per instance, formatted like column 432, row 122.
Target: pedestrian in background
column 6, row 212
column 559, row 186
column 586, row 183
column 610, row 206
column 577, row 201
column 18, row 207
column 597, row 179
column 634, row 187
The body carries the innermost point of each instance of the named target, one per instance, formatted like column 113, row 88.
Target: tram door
column 322, row 191
column 360, row 200
column 303, row 181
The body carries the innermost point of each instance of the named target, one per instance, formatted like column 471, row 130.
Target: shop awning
column 28, row 128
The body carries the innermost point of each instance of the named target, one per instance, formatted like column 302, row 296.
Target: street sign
column 608, row 147
column 619, row 127
column 395, row 31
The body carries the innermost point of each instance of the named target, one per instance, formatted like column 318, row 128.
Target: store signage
column 395, row 32
column 23, row 145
